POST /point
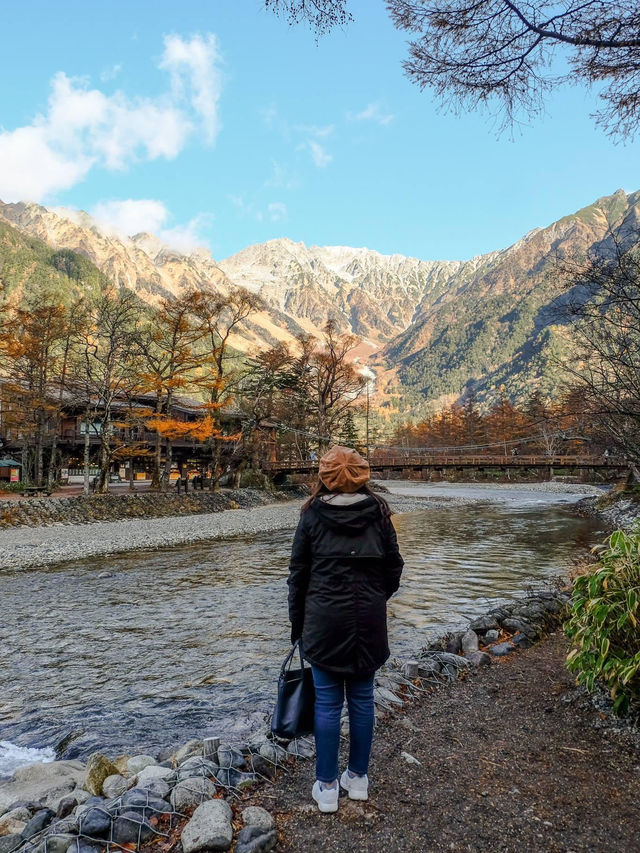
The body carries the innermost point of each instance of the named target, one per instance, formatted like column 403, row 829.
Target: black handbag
column 293, row 714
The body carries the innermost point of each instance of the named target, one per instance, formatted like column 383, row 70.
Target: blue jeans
column 330, row 691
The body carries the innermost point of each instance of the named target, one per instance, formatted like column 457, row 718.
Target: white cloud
column 277, row 211
column 320, row 132
column 374, row 111
column 83, row 128
column 130, row 216
column 281, row 178
column 110, row 73
column 195, row 75
column 269, row 115
column 127, row 217
column 319, row 154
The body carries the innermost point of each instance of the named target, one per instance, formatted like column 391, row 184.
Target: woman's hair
column 321, row 489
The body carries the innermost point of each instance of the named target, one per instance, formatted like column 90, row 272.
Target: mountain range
column 431, row 330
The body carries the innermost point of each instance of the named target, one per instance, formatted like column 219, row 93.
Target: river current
column 187, row 642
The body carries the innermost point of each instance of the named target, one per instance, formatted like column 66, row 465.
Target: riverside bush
column 604, row 622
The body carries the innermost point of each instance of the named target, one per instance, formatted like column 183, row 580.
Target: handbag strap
column 287, row 660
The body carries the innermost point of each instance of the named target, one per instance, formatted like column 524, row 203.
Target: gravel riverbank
column 30, row 547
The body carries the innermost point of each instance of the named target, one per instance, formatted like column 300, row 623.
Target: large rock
column 8, row 843
column 261, row 766
column 153, row 771
column 192, row 747
column 192, row 792
column 273, row 752
column 502, row 649
column 196, row 766
column 159, row 787
column 302, row 748
column 209, row 828
column 58, row 842
column 143, row 801
column 98, row 769
column 469, row 642
column 521, row 641
column 233, row 778
column 520, row 626
column 131, row 828
column 95, row 822
column 88, row 804
column 254, row 839
column 484, row 624
column 138, row 762
column 66, row 806
column 480, row 659
column 256, row 816
column 41, row 783
column 11, row 825
column 38, row 822
column 229, row 756
column 122, row 763
column 19, row 813
column 114, row 786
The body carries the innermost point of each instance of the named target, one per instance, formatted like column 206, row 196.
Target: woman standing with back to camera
column 345, row 564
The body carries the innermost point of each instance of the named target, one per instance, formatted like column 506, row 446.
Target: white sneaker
column 357, row 786
column 326, row 798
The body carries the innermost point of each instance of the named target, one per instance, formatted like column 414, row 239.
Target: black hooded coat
column 345, row 564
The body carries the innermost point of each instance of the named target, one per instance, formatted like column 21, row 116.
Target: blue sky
column 214, row 123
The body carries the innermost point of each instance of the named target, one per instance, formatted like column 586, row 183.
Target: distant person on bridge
column 345, row 565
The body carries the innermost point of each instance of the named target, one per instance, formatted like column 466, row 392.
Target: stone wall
column 36, row 512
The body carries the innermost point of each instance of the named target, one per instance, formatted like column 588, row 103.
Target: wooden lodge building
column 132, row 442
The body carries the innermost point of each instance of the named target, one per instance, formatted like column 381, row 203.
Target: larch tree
column 36, row 353
column 170, row 361
column 220, row 316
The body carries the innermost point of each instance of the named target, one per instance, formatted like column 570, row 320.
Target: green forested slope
column 504, row 327
column 28, row 264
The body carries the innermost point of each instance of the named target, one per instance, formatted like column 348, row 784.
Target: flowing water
column 187, row 642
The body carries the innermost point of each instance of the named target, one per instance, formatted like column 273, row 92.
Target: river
column 187, row 641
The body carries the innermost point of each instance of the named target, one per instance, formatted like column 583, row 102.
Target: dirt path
column 512, row 759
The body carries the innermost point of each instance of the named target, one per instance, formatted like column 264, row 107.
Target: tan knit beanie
column 343, row 469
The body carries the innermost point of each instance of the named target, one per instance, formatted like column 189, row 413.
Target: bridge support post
column 550, row 472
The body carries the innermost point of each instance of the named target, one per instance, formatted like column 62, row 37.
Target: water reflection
column 187, row 641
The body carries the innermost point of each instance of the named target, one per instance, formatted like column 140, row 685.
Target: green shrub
column 12, row 487
column 604, row 625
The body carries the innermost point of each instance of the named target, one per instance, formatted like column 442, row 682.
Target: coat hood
column 351, row 519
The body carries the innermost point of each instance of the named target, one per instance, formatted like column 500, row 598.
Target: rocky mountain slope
column 502, row 325
column 440, row 326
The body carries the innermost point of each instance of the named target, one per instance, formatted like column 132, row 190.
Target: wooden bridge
column 406, row 464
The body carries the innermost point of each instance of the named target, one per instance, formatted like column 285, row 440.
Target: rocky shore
column 194, row 798
column 618, row 510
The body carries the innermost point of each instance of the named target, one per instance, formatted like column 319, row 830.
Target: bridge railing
column 462, row 461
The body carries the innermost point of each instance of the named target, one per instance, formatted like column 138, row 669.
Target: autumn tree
column 219, row 316
column 509, row 54
column 332, row 383
column 602, row 302
column 105, row 369
column 170, row 358
column 36, row 351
